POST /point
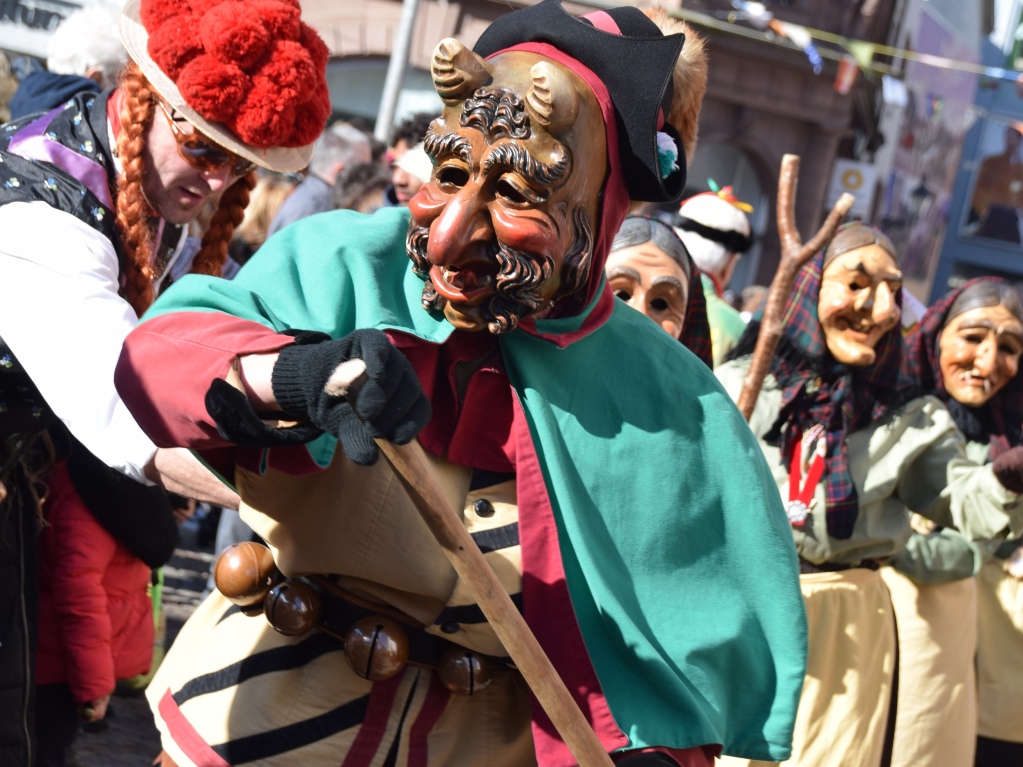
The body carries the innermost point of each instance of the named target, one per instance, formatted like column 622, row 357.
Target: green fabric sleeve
column 981, row 507
column 942, row 556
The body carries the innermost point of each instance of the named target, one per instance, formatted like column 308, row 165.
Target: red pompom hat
column 249, row 75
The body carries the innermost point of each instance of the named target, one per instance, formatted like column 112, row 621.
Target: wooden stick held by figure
column 794, row 256
column 413, row 470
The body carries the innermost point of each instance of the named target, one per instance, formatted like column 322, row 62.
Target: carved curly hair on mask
column 133, row 214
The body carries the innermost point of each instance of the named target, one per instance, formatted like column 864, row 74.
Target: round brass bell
column 465, row 672
column 376, row 648
column 244, row 573
column 292, row 607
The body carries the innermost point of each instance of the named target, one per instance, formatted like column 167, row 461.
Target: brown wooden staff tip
column 794, row 256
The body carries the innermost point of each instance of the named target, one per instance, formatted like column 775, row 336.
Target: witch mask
column 981, row 343
column 858, row 302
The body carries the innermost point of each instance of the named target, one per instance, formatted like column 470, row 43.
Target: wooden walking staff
column 794, row 256
column 412, row 468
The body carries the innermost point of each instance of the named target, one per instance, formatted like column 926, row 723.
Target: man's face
column 405, row 184
column 979, row 353
column 175, row 189
column 857, row 304
column 652, row 282
column 505, row 226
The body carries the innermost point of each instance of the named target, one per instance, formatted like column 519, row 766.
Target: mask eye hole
column 659, row 305
column 453, row 176
column 509, row 192
column 622, row 293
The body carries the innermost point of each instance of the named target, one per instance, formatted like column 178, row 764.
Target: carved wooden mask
column 504, row 229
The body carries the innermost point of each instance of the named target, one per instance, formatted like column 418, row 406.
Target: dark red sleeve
column 168, row 363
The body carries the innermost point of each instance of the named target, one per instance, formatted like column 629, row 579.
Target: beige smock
column 230, row 680
column 915, row 459
column 1000, row 653
column 934, row 593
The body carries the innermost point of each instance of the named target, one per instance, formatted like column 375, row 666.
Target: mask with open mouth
column 504, row 228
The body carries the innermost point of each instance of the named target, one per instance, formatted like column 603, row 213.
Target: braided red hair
column 133, row 212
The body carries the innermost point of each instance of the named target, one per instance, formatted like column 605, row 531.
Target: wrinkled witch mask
column 505, row 227
column 981, row 343
column 858, row 304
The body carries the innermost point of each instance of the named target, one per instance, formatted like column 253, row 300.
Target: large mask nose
column 884, row 304
column 463, row 224
column 987, row 352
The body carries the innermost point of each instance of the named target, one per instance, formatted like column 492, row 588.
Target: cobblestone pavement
column 131, row 739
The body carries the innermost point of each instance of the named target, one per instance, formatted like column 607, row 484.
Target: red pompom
column 174, row 44
column 318, row 50
column 202, row 7
column 213, row 88
column 231, row 35
column 263, row 120
column 281, row 18
column 311, row 118
column 154, row 13
column 290, row 68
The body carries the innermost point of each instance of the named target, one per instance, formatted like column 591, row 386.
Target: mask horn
column 457, row 71
column 552, row 101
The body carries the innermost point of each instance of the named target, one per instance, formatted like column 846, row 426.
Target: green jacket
column 916, row 460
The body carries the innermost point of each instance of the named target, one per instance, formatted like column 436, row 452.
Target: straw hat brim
column 136, row 41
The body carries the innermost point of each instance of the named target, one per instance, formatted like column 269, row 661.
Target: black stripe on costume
column 497, row 537
column 470, row 613
column 277, row 659
column 264, row 745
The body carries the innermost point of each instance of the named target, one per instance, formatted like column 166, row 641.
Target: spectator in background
column 265, row 200
column 84, row 54
column 341, row 146
column 716, row 232
column 753, row 299
column 362, row 188
column 407, row 135
column 102, row 534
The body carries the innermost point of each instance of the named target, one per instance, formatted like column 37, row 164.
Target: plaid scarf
column 695, row 327
column 1000, row 421
column 817, row 389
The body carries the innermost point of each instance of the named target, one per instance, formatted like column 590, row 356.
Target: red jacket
column 95, row 616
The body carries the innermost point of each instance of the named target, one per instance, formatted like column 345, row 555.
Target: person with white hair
column 716, row 232
column 84, row 54
column 341, row 146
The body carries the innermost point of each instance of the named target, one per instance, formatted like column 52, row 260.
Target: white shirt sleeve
column 63, row 319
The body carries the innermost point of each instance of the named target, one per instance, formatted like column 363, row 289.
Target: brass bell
column 376, row 648
column 465, row 672
column 245, row 573
column 292, row 607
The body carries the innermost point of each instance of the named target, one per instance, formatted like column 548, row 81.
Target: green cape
column 676, row 550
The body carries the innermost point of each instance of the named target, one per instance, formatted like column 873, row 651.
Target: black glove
column 1008, row 468
column 390, row 405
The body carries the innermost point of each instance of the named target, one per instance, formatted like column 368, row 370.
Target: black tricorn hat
column 636, row 67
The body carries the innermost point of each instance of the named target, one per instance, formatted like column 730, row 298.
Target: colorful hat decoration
column 250, row 75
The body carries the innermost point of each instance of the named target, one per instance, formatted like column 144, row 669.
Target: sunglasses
column 199, row 152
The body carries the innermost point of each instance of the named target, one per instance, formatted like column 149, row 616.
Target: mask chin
column 851, row 353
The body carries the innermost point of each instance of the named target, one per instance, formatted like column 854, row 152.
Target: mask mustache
column 518, row 284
